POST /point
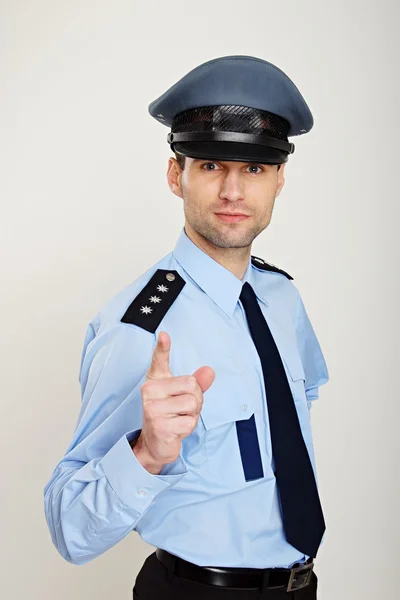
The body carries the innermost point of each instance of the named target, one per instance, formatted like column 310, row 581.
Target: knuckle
column 145, row 388
column 150, row 408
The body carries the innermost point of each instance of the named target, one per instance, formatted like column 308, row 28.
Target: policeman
column 198, row 378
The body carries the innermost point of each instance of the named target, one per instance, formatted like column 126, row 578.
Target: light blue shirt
column 200, row 507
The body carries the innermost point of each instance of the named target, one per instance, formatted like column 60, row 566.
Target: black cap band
column 230, row 136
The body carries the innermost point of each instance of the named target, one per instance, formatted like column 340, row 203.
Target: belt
column 290, row 579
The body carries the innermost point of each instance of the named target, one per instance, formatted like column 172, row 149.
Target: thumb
column 205, row 377
column 159, row 367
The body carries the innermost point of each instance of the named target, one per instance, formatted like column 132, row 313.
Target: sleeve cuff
column 131, row 481
column 312, row 393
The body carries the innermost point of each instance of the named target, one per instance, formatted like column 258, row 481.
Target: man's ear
column 281, row 179
column 174, row 177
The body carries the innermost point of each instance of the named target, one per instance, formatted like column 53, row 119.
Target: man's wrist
column 134, row 442
column 142, row 455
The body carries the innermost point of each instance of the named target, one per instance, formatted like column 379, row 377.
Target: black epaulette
column 261, row 264
column 154, row 301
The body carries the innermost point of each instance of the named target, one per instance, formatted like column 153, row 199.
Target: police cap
column 237, row 107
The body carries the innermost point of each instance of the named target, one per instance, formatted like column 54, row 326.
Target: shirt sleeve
column 315, row 368
column 99, row 490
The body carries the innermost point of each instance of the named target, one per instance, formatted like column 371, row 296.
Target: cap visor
column 232, row 151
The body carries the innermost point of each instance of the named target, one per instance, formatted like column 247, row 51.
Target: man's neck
column 233, row 259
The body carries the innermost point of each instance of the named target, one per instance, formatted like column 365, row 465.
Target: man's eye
column 209, row 164
column 254, row 167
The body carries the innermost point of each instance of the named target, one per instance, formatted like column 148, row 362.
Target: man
column 198, row 378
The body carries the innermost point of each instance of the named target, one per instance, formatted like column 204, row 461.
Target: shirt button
column 244, row 406
column 142, row 492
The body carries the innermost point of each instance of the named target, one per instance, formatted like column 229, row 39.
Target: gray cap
column 234, row 108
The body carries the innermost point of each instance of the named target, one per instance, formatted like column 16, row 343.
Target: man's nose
column 232, row 187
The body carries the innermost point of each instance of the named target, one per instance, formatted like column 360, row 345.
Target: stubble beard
column 224, row 235
column 221, row 235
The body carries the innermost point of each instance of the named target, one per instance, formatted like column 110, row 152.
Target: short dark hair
column 181, row 160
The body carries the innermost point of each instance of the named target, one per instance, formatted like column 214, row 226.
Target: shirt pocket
column 231, row 441
column 296, row 375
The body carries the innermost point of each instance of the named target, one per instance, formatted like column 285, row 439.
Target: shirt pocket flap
column 294, row 365
column 230, row 398
column 296, row 375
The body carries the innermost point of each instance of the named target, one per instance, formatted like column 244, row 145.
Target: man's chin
column 230, row 237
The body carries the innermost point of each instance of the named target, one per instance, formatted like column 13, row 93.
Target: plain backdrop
column 85, row 209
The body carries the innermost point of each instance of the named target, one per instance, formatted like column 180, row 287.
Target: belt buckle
column 298, row 582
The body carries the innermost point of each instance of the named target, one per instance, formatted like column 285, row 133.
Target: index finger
column 159, row 367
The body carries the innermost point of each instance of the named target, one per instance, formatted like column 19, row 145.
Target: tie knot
column 248, row 296
column 247, row 291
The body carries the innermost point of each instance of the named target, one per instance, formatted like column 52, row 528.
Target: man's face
column 212, row 187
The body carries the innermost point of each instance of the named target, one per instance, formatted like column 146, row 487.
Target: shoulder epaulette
column 261, row 264
column 151, row 305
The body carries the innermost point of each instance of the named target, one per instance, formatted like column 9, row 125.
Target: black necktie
column 301, row 508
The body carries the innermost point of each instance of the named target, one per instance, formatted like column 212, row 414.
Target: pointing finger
column 159, row 367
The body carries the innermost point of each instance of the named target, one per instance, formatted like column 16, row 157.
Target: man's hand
column 171, row 408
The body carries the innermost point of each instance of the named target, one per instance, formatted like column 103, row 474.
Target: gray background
column 85, row 209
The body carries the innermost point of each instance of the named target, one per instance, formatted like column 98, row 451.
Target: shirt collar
column 222, row 286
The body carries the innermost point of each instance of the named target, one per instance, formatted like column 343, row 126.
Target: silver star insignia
column 146, row 310
column 162, row 288
column 155, row 299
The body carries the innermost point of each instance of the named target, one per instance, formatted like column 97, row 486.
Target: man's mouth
column 232, row 217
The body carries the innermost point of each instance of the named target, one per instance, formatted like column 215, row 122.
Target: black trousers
column 155, row 582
